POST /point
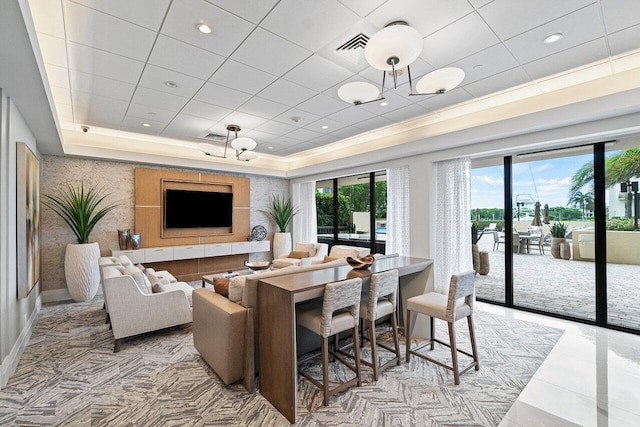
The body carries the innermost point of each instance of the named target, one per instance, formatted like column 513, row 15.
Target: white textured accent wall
column 117, row 178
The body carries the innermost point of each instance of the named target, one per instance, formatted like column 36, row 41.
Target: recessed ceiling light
column 384, row 104
column 270, row 147
column 203, row 28
column 325, row 127
column 553, row 38
column 146, row 125
column 295, row 119
column 171, row 84
column 477, row 67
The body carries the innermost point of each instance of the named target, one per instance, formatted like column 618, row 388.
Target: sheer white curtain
column 398, row 238
column 453, row 223
column 304, row 224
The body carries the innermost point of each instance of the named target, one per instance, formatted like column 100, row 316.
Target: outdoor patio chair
column 491, row 227
column 539, row 242
column 497, row 240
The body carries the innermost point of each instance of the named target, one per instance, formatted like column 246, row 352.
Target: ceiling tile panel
column 350, row 115
column 157, row 78
column 271, row 53
column 493, row 60
column 184, row 58
column 624, row 40
column 212, row 93
column 448, row 99
column 286, row 92
column 105, row 64
column 53, row 50
column 426, row 16
column 261, row 137
column 374, row 123
column 146, row 112
column 619, row 14
column 98, row 85
column 318, row 74
column 406, row 113
column 109, row 106
column 462, row 38
column 347, row 132
column 137, row 128
column 263, row 108
column 570, row 58
column 244, row 120
column 186, row 126
column 106, row 32
column 392, row 100
column 322, row 105
column 332, row 126
column 506, row 79
column 276, row 128
column 323, row 140
column 228, row 30
column 156, row 98
column 47, row 17
column 309, row 23
column 137, row 124
column 479, row 3
column 304, row 118
column 61, row 95
column 205, row 111
column 577, row 28
column 509, row 18
column 304, row 135
column 251, row 10
column 58, row 76
column 362, row 7
column 65, row 112
column 146, row 13
column 241, row 77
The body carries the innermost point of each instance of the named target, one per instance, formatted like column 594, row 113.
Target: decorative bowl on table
column 258, row 265
column 361, row 263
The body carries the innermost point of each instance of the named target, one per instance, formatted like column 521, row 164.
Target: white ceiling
column 267, row 61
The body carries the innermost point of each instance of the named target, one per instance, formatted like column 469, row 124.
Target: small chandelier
column 242, row 145
column 391, row 50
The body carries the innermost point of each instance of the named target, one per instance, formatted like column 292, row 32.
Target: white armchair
column 317, row 252
column 133, row 312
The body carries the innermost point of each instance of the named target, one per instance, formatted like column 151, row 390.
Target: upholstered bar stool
column 379, row 302
column 339, row 312
column 458, row 305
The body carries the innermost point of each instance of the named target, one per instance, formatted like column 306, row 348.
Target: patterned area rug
column 68, row 375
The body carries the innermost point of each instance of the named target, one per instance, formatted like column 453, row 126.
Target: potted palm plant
column 281, row 212
column 558, row 231
column 476, row 234
column 81, row 209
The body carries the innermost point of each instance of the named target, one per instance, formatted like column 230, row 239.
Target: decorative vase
column 281, row 245
column 135, row 240
column 81, row 270
column 555, row 246
column 123, row 239
column 475, row 254
column 565, row 251
column 484, row 263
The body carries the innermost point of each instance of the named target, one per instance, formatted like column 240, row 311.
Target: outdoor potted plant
column 81, row 210
column 558, row 231
column 476, row 234
column 281, row 211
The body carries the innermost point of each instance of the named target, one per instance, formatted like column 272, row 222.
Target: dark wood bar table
column 277, row 298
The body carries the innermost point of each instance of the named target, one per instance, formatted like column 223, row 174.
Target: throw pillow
column 139, row 278
column 159, row 287
column 329, row 258
column 298, row 254
column 221, row 286
column 307, row 247
column 343, row 252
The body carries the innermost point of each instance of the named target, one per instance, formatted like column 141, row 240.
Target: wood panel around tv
column 150, row 186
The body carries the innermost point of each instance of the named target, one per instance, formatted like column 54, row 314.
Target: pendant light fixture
column 392, row 50
column 243, row 146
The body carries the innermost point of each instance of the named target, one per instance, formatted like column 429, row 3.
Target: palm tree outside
column 582, row 200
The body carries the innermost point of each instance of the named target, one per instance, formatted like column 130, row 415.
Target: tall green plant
column 79, row 208
column 558, row 229
column 475, row 229
column 282, row 211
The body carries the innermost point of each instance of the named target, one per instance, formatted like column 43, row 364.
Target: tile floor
column 590, row 378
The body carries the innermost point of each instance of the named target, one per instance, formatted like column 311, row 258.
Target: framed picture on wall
column 28, row 219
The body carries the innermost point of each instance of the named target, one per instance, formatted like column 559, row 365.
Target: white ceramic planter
column 281, row 245
column 81, row 270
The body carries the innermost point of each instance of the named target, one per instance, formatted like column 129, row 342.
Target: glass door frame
column 600, row 225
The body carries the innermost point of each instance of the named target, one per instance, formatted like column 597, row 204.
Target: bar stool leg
column 396, row 342
column 433, row 332
column 454, row 352
column 374, row 354
column 325, row 370
column 472, row 335
column 408, row 322
column 356, row 353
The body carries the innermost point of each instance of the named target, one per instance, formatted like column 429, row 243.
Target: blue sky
column 545, row 180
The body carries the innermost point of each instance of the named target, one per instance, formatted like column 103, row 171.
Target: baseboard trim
column 56, row 295
column 10, row 363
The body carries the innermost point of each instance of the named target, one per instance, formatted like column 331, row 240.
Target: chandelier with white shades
column 242, row 145
column 391, row 50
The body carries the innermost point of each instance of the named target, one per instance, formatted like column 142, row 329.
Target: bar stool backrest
column 461, row 286
column 382, row 284
column 339, row 295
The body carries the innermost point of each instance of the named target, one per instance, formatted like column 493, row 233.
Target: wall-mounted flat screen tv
column 197, row 209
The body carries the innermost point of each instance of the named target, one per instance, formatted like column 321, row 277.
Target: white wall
column 17, row 316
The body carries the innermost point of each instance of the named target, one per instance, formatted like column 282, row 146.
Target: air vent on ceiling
column 215, row 137
column 353, row 50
